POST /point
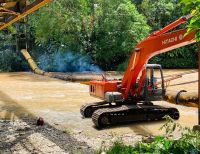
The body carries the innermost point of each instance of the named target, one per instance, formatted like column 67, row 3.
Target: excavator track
column 131, row 113
column 88, row 109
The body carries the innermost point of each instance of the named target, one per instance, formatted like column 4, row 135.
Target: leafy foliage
column 185, row 57
column 193, row 6
column 160, row 13
column 10, row 60
column 189, row 142
column 105, row 30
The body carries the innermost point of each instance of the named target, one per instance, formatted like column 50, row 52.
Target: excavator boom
column 148, row 48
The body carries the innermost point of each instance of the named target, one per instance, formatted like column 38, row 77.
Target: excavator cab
column 154, row 88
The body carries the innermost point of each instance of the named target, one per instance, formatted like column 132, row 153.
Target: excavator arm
column 157, row 43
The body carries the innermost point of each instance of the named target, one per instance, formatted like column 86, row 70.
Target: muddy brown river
column 26, row 95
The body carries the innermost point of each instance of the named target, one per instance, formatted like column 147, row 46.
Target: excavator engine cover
column 99, row 88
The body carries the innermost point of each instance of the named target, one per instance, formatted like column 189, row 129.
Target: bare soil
column 19, row 136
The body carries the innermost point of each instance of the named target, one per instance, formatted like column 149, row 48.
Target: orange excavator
column 129, row 100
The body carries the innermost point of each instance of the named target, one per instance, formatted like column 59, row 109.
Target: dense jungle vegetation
column 103, row 32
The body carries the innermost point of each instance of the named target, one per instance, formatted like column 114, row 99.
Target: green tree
column 193, row 7
column 105, row 30
column 10, row 60
column 160, row 13
column 120, row 28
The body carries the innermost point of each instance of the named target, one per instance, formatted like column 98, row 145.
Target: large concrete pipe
column 74, row 77
column 182, row 97
column 32, row 63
